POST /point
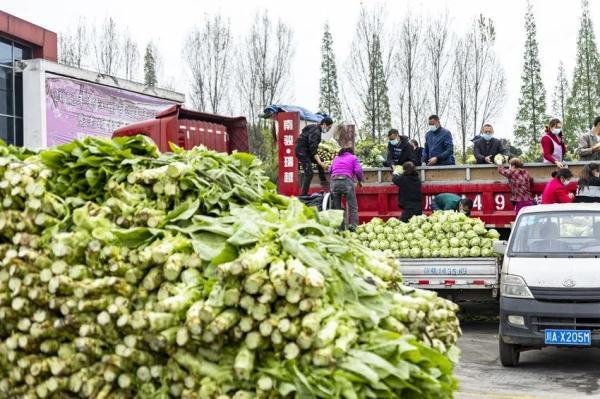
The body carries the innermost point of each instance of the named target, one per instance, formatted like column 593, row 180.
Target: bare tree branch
column 75, row 46
column 107, row 46
column 263, row 71
column 208, row 53
column 131, row 56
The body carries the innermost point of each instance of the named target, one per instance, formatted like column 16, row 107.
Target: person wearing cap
column 487, row 147
column 306, row 149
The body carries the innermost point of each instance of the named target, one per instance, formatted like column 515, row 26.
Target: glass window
column 555, row 233
column 6, row 129
column 6, row 91
column 19, row 94
column 19, row 132
column 5, row 52
column 22, row 52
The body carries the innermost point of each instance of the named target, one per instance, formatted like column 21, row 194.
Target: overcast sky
column 167, row 24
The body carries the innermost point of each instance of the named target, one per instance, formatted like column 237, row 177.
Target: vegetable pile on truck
column 459, row 279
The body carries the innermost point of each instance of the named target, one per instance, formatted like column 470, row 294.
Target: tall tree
column 378, row 116
column 131, row 57
column 208, row 54
column 561, row 93
column 150, row 79
column 329, row 100
column 369, row 68
column 437, row 46
column 462, row 101
column 583, row 103
column 531, row 114
column 74, row 46
column 487, row 74
column 479, row 81
column 410, row 72
column 107, row 46
column 263, row 74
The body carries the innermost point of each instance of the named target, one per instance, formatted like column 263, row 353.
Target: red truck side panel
column 491, row 201
column 190, row 128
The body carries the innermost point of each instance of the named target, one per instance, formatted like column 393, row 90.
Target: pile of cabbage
column 443, row 234
column 328, row 150
column 129, row 274
column 369, row 153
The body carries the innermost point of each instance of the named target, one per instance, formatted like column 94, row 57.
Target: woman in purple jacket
column 343, row 170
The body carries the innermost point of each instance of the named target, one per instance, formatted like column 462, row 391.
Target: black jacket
column 483, row 148
column 409, row 193
column 308, row 142
column 418, row 154
column 400, row 153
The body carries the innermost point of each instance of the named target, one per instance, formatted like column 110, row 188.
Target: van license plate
column 568, row 337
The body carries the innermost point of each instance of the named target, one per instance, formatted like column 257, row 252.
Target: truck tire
column 509, row 354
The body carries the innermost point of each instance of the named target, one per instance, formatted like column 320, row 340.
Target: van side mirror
column 499, row 247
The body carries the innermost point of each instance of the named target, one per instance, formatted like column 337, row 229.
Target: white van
column 550, row 280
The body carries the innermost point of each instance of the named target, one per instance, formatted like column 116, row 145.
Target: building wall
column 61, row 103
column 43, row 42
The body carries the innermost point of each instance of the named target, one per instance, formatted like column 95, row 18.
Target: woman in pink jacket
column 344, row 168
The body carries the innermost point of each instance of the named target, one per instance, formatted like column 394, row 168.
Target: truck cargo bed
column 450, row 273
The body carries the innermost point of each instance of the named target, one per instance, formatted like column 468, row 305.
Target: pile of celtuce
column 131, row 274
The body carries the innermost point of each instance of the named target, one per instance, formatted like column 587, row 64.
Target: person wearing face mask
column 417, row 151
column 589, row 143
column 588, row 187
column 399, row 149
column 487, row 147
column 554, row 148
column 556, row 191
column 306, row 152
column 438, row 149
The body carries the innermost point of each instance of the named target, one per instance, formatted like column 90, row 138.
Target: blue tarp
column 305, row 114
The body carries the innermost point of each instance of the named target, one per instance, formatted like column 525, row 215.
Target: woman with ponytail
column 588, row 187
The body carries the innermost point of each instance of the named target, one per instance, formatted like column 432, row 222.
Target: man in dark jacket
column 399, row 149
column 306, row 149
column 487, row 147
column 439, row 149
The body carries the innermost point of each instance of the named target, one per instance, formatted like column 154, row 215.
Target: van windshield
column 557, row 233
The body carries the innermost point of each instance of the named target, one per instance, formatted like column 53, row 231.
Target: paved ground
column 550, row 373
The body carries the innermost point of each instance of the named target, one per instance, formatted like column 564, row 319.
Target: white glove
column 380, row 158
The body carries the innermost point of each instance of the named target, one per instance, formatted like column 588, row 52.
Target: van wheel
column 509, row 354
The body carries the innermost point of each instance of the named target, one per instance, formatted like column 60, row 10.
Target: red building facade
column 19, row 40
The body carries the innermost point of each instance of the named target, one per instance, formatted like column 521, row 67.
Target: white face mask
column 432, row 128
column 556, row 131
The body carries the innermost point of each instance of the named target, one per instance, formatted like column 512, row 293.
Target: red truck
column 378, row 196
column 189, row 129
column 458, row 279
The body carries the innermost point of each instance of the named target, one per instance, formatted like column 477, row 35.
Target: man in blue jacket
column 438, row 149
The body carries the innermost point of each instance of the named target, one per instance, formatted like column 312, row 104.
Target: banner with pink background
column 75, row 109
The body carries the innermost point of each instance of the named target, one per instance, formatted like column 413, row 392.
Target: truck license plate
column 568, row 337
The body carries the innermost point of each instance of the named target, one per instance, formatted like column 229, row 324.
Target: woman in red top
column 554, row 148
column 556, row 190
